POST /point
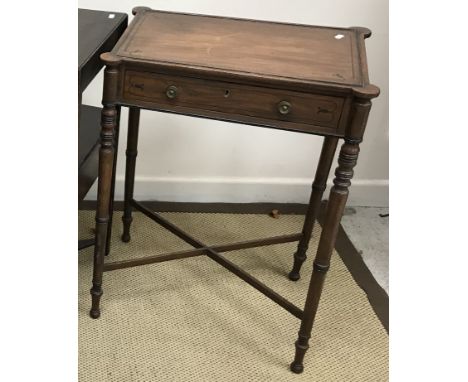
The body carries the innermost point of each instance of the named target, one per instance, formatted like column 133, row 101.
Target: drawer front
column 169, row 92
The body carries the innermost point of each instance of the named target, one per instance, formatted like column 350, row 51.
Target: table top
column 98, row 31
column 303, row 53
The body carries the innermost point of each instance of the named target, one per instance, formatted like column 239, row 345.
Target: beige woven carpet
column 192, row 320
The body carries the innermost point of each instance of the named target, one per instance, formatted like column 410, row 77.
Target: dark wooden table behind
column 98, row 32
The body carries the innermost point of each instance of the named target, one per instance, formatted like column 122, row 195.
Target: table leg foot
column 126, row 238
column 294, row 276
column 95, row 313
column 302, row 344
column 96, row 293
column 299, row 259
column 297, row 368
column 126, row 228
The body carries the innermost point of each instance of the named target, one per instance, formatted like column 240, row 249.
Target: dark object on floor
column 383, row 215
column 275, row 214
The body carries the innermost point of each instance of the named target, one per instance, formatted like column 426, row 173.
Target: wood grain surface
column 248, row 46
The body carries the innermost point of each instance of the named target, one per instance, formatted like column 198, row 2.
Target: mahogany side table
column 304, row 79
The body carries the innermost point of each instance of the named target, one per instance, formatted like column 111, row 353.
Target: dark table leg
column 338, row 195
column 109, row 116
column 132, row 145
column 318, row 187
column 111, row 204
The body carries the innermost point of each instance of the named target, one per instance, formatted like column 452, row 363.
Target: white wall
column 190, row 159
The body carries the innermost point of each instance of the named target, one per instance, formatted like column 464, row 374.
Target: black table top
column 98, row 32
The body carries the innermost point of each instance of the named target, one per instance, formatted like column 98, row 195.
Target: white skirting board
column 372, row 193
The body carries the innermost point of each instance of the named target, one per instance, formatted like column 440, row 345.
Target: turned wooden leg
column 106, row 163
column 111, row 203
column 131, row 153
column 338, row 195
column 318, row 188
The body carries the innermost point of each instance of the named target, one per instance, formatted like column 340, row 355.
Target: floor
column 369, row 233
column 192, row 320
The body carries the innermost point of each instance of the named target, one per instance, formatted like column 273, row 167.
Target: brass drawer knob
column 284, row 107
column 171, row 92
